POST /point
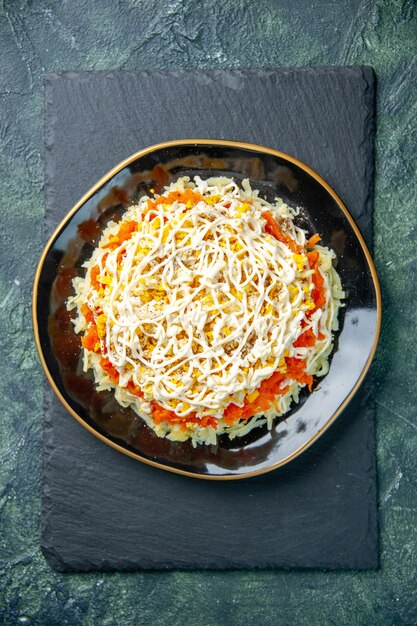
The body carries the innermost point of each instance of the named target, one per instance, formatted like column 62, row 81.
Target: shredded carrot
column 95, row 271
column 126, row 230
column 111, row 371
column 307, row 339
column 133, row 389
column 232, row 414
column 160, row 414
column 91, row 340
column 273, row 229
column 173, row 196
column 268, row 390
column 296, row 371
column 206, row 420
column 318, row 293
column 313, row 240
column 312, row 257
column 124, row 233
column 88, row 314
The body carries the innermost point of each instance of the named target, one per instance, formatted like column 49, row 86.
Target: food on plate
column 207, row 310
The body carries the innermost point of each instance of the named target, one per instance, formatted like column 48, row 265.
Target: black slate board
column 105, row 511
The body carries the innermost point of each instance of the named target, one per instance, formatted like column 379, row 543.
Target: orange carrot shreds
column 273, row 229
column 296, row 371
column 318, row 293
column 208, row 420
column 88, row 313
column 232, row 413
column 126, row 230
column 272, row 383
column 312, row 257
column 91, row 340
column 95, row 271
column 184, row 197
column 124, row 233
column 307, row 339
column 205, row 421
column 313, row 240
column 160, row 415
column 133, row 389
column 189, row 195
column 111, row 371
column 268, row 390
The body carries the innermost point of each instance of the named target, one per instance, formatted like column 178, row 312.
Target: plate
column 274, row 174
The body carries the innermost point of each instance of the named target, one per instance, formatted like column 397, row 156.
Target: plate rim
column 233, row 144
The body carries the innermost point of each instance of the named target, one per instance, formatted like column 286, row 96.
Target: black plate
column 274, row 174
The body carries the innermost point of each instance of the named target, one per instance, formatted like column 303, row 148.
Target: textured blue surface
column 36, row 37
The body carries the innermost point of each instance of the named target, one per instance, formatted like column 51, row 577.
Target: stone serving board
column 104, row 511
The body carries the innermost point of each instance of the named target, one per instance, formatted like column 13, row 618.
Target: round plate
column 274, row 174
